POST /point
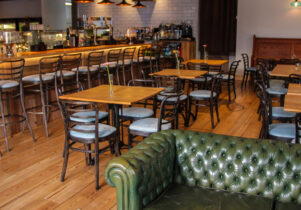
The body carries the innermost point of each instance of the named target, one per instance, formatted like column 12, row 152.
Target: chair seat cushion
column 8, row 84
column 183, row 197
column 226, row 76
column 36, row 78
column 65, row 73
column 136, row 112
column 148, row 125
column 103, row 131
column 88, row 116
column 112, row 64
column 283, row 130
column 84, row 69
column 251, row 69
column 202, row 79
column 213, row 72
column 183, row 97
column 277, row 83
column 279, row 112
column 276, row 90
column 202, row 94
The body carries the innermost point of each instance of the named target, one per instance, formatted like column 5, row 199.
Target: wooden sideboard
column 275, row 48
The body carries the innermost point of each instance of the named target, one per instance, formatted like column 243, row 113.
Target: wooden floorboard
column 30, row 172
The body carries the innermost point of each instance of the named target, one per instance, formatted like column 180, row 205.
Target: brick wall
column 157, row 12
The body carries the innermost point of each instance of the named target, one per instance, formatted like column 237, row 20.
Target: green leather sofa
column 188, row 170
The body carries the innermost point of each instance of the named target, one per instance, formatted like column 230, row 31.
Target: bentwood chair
column 143, row 65
column 147, row 126
column 278, row 131
column 252, row 71
column 42, row 83
column 87, row 133
column 127, row 63
column 113, row 63
column 11, row 87
column 230, row 78
column 87, row 73
column 210, row 96
column 200, row 82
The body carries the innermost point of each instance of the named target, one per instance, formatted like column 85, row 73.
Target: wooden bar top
column 123, row 95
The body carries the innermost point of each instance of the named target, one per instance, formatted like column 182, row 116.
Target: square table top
column 123, row 95
column 293, row 98
column 209, row 62
column 184, row 74
column 285, row 70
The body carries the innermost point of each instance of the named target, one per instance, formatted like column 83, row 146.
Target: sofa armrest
column 141, row 174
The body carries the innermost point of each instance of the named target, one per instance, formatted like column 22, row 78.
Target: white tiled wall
column 156, row 12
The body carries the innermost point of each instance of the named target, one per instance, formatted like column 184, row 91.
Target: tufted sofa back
column 258, row 167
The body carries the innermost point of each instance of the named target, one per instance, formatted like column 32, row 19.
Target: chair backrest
column 233, row 68
column 245, row 59
column 142, row 53
column 215, row 69
column 216, row 85
column 142, row 83
column 298, row 128
column 263, row 107
column 168, row 111
column 294, row 78
column 172, row 84
column 67, row 63
column 128, row 54
column 12, row 70
column 197, row 66
column 263, row 75
column 49, row 64
column 74, row 123
column 114, row 55
column 95, row 58
column 289, row 61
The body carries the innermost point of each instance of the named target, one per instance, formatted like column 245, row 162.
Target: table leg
column 115, row 116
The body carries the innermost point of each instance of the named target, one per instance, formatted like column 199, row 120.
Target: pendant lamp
column 84, row 1
column 105, row 2
column 139, row 5
column 296, row 3
column 123, row 3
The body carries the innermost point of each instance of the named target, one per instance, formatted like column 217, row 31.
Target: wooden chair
column 208, row 96
column 147, row 126
column 252, row 71
column 11, row 87
column 113, row 61
column 86, row 132
column 230, row 78
column 200, row 82
column 127, row 63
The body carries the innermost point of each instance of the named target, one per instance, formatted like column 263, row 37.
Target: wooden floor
column 30, row 173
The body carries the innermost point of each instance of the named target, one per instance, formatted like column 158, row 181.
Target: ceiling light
column 84, row 1
column 105, row 2
column 123, row 3
column 138, row 5
column 296, row 3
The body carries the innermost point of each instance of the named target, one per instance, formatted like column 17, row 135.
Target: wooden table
column 285, row 70
column 293, row 98
column 123, row 95
column 209, row 62
column 184, row 74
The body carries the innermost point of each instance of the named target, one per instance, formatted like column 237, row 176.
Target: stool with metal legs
column 42, row 83
column 11, row 84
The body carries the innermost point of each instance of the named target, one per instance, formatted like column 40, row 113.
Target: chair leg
column 211, row 114
column 216, row 109
column 247, row 76
column 243, row 79
column 123, row 74
column 10, row 126
column 3, row 122
column 129, row 139
column 25, row 114
column 66, row 156
column 44, row 110
column 196, row 110
column 96, row 166
column 229, row 92
column 47, row 102
column 234, row 89
column 188, row 112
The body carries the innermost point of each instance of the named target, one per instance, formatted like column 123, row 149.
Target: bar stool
column 113, row 60
column 42, row 83
column 11, row 83
column 127, row 62
column 85, row 73
column 141, row 62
